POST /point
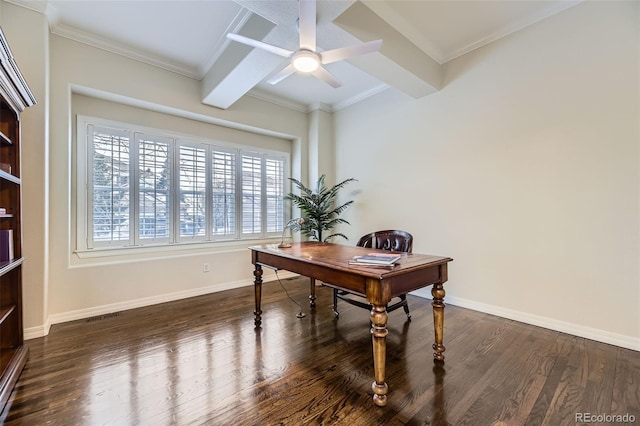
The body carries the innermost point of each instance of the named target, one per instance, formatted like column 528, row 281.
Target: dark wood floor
column 200, row 361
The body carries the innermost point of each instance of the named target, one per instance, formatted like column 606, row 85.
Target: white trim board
column 539, row 321
column 43, row 330
column 561, row 326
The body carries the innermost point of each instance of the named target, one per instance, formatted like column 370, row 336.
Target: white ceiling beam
column 239, row 68
column 400, row 63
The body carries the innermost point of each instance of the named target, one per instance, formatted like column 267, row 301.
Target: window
column 149, row 188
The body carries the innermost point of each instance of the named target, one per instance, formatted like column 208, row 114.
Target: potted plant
column 319, row 212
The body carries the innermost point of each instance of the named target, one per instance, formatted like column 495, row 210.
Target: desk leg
column 312, row 292
column 379, row 337
column 257, row 286
column 437, row 291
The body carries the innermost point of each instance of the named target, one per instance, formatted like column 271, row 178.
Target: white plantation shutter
column 251, row 194
column 154, row 186
column 146, row 187
column 193, row 190
column 109, row 187
column 223, row 188
column 274, row 187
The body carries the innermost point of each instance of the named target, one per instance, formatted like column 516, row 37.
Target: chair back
column 392, row 240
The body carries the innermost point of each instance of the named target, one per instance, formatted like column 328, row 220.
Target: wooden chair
column 392, row 240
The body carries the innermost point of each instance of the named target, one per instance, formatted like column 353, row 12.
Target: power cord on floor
column 299, row 314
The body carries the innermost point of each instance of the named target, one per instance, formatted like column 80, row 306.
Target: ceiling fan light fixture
column 305, row 61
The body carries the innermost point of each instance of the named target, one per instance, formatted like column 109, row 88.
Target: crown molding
column 320, row 106
column 306, row 108
column 360, row 96
column 278, row 100
column 57, row 28
column 39, row 6
column 549, row 11
column 121, row 49
column 386, row 12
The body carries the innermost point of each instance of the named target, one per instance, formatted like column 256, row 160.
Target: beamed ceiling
column 189, row 38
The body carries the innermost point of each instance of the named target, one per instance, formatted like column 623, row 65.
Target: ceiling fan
column 307, row 59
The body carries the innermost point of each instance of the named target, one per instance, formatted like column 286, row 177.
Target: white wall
column 321, row 147
column 78, row 289
column 524, row 168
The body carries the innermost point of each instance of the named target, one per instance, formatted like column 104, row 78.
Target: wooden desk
column 330, row 264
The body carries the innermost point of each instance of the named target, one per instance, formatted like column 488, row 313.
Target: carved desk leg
column 312, row 292
column 257, row 286
column 437, row 291
column 379, row 337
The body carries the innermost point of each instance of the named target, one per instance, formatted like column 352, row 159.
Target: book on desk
column 376, row 259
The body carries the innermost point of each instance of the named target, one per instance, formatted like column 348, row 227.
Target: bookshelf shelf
column 11, row 178
column 5, row 139
column 5, row 312
column 8, row 266
column 15, row 96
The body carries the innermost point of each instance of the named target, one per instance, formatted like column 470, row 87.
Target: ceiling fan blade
column 342, row 53
column 327, row 77
column 259, row 44
column 307, row 24
column 286, row 72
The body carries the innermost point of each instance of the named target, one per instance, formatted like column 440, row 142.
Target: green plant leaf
column 318, row 207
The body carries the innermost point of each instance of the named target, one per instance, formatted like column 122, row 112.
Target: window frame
column 83, row 196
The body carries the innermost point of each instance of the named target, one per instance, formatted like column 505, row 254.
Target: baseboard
column 552, row 324
column 35, row 332
column 539, row 321
column 43, row 330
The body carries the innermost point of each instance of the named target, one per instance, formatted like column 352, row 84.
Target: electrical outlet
column 205, row 267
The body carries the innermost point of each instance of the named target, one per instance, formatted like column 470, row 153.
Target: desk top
column 330, row 263
column 337, row 257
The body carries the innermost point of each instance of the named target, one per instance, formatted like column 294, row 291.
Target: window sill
column 104, row 255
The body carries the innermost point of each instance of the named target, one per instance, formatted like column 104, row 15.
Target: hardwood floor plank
column 503, row 361
column 626, row 386
column 598, row 391
column 559, row 358
column 521, row 386
column 200, row 361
